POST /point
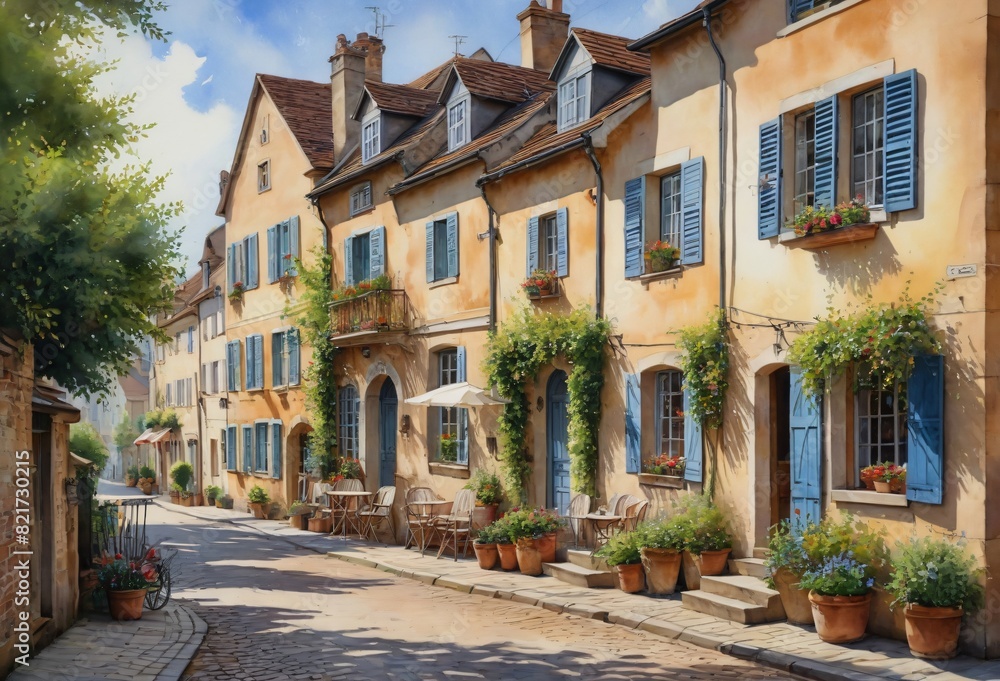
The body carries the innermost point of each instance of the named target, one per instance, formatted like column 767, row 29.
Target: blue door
column 557, row 437
column 387, row 434
column 805, row 430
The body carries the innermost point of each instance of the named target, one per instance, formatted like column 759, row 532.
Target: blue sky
column 195, row 86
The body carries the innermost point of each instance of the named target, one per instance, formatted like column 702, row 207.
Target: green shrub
column 492, row 534
column 212, row 492
column 132, row 472
column 526, row 523
column 299, row 508
column 486, row 484
column 660, row 534
column 622, row 549
column 701, row 525
column 181, row 473
column 935, row 573
column 834, row 537
column 257, row 495
column 85, row 441
column 147, row 472
column 785, row 550
column 841, row 575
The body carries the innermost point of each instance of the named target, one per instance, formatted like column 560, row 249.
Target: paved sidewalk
column 156, row 648
column 783, row 646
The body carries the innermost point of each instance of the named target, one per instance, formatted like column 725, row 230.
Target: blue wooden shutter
column 277, row 363
column 258, row 361
column 463, row 414
column 532, row 243
column 252, row 260
column 769, row 180
column 796, row 7
column 232, row 366
column 693, row 444
column 260, row 461
column 276, row 449
column 293, row 242
column 349, row 261
column 247, row 449
column 562, row 236
column 460, row 360
column 925, row 430
column 899, row 160
column 429, row 253
column 376, row 252
column 635, row 199
column 826, row 140
column 633, row 423
column 231, row 448
column 190, row 339
column 231, row 266
column 250, row 363
column 805, row 431
column 692, row 200
column 452, row 226
column 294, row 354
column 169, row 394
column 272, row 254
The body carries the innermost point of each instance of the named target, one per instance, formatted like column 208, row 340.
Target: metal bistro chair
column 379, row 513
column 342, row 508
column 634, row 515
column 579, row 507
column 457, row 525
column 605, row 529
column 418, row 520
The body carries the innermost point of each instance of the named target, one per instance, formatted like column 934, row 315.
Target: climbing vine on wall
column 705, row 363
column 515, row 353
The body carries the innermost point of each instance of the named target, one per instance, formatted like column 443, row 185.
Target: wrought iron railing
column 372, row 312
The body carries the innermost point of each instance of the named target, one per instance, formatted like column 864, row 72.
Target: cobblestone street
column 275, row 611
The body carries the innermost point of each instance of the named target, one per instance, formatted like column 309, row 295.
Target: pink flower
column 836, row 219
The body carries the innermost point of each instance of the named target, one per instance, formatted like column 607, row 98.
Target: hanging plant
column 879, row 340
column 705, row 363
column 515, row 353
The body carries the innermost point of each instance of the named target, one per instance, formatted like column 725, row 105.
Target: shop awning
column 457, row 395
column 151, row 435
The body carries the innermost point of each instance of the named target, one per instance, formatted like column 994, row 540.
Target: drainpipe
column 326, row 228
column 707, row 23
column 491, row 235
column 588, row 148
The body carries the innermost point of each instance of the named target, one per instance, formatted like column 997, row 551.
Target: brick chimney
column 543, row 33
column 347, row 81
column 373, row 49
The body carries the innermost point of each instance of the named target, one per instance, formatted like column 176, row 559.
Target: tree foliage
column 125, row 433
column 88, row 259
column 85, row 441
column 705, row 363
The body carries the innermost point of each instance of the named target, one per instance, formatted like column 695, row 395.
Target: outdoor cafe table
column 347, row 502
column 426, row 511
column 601, row 524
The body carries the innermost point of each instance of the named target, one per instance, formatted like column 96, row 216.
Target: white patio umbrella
column 457, row 395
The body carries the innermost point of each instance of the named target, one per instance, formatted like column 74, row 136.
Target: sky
column 195, row 85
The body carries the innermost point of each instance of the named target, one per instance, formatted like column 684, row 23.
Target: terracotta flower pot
column 126, row 605
column 932, row 633
column 299, row 521
column 508, row 556
column 130, row 481
column 486, row 555
column 484, row 515
column 662, row 569
column 897, row 486
column 547, row 547
column 631, row 578
column 529, row 558
column 259, row 510
column 882, row 486
column 713, row 562
column 840, row 619
column 692, row 571
column 323, row 524
column 794, row 600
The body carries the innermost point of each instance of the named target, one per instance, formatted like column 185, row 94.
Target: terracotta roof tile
column 505, row 82
column 402, row 99
column 428, row 78
column 611, row 51
column 307, row 110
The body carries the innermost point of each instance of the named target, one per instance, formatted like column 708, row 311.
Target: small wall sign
column 959, row 271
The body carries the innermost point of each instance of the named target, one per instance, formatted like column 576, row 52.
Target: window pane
column 440, row 249
column 670, row 415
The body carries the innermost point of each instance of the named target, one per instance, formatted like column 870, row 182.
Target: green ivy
column 515, row 353
column 320, row 381
column 880, row 341
column 705, row 363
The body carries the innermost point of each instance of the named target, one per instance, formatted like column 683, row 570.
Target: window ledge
column 671, row 481
column 816, row 17
column 279, row 389
column 869, row 498
column 665, row 274
column 833, row 237
column 450, row 470
column 364, row 211
column 443, row 282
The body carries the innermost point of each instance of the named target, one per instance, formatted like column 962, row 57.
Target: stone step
column 728, row 608
column 760, row 552
column 579, row 576
column 753, row 567
column 742, row 588
column 583, row 558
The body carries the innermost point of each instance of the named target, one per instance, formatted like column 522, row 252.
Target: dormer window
column 371, row 138
column 458, row 124
column 574, row 100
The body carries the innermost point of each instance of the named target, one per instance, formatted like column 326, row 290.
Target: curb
column 175, row 669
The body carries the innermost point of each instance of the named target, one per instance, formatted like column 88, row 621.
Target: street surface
column 275, row 611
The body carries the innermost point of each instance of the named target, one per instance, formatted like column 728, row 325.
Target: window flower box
column 540, row 284
column 820, row 227
column 660, row 256
column 653, row 480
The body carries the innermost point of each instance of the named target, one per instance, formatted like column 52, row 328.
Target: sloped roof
column 611, row 51
column 307, row 109
column 676, row 25
column 425, row 81
column 496, row 80
column 402, row 99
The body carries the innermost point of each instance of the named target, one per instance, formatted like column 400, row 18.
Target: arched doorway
column 557, row 437
column 387, row 411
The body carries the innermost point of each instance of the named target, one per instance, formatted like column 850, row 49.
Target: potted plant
column 623, row 554
column 539, row 283
column 888, row 475
column 485, row 547
column 259, row 502
column 786, row 562
column 522, row 526
column 212, row 492
column 660, row 546
column 126, row 582
column 448, row 448
column 181, row 474
column 225, row 501
column 132, row 476
column 350, row 468
column 486, row 484
column 816, row 219
column 660, row 256
column 147, row 477
column 867, row 475
column 667, row 465
column 505, row 546
column 298, row 515
column 175, row 493
column 236, row 293
column 707, row 542
column 937, row 583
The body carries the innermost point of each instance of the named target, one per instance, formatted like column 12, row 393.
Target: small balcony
column 359, row 318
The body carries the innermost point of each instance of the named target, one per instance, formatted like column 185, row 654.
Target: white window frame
column 266, row 470
column 448, row 418
column 669, row 388
column 670, row 209
column 548, row 243
column 361, row 198
column 458, row 123
column 804, row 172
column 574, row 100
column 265, row 128
column 348, row 421
column 371, row 138
column 264, row 175
column 871, row 158
column 898, row 417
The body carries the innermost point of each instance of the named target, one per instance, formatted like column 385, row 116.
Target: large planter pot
column 932, row 633
column 187, row 501
column 486, row 555
column 126, row 605
column 130, row 481
column 484, row 515
column 323, row 524
column 259, row 510
column 508, row 556
column 299, row 521
column 547, row 547
column 146, row 487
column 794, row 600
column 631, row 578
column 529, row 558
column 662, row 569
column 840, row 619
column 713, row 563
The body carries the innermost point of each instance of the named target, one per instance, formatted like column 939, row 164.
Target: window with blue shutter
column 231, row 266
column 272, row 254
column 277, row 446
column 899, row 160
column 190, row 339
column 825, row 145
column 797, row 8
column 376, row 255
column 562, row 254
column 693, row 444
column 769, row 180
column 278, row 358
column 248, row 449
column 463, row 414
column 255, row 362
column 442, row 248
column 349, row 261
column 451, row 225
column 233, row 365
column 231, row 448
column 429, row 252
column 925, row 430
column 250, row 255
column 692, row 181
column 633, row 423
column 532, row 246
column 294, row 357
column 262, row 447
column 805, row 432
column 635, row 199
column 292, row 226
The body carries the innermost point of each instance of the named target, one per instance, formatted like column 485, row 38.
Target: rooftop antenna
column 459, row 41
column 380, row 18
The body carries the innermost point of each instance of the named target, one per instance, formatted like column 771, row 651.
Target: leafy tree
column 88, row 259
column 125, row 433
column 85, row 441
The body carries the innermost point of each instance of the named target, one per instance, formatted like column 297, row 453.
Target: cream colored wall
column 214, row 417
column 178, row 365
